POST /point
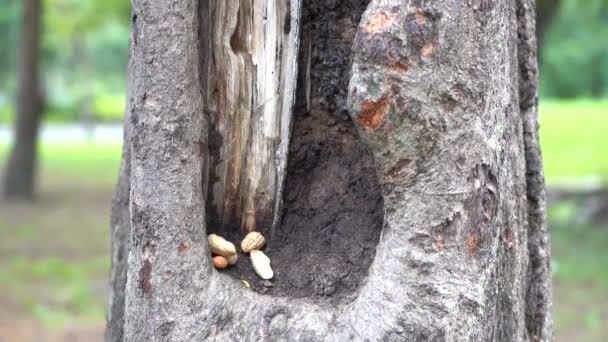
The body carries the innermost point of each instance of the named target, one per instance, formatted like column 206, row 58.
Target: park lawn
column 54, row 262
column 574, row 140
column 90, row 164
column 580, row 274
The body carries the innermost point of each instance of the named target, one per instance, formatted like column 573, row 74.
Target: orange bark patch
column 472, row 242
column 426, row 50
column 378, row 23
column 373, row 113
column 399, row 68
column 420, row 18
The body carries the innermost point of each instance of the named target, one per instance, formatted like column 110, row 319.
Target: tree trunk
column 21, row 168
column 120, row 220
column 413, row 204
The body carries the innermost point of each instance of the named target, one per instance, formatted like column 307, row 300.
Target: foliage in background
column 84, row 58
column 9, row 13
column 85, row 52
column 574, row 52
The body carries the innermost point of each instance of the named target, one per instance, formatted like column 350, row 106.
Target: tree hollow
column 329, row 224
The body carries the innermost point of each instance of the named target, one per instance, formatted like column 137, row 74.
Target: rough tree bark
column 120, row 220
column 19, row 178
column 441, row 99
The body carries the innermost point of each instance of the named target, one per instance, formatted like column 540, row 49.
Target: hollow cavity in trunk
column 326, row 232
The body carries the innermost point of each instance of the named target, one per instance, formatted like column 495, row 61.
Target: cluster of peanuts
column 225, row 253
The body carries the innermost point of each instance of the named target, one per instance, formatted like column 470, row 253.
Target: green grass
column 94, row 163
column 90, row 163
column 574, row 139
column 54, row 259
column 579, row 250
column 580, row 274
column 67, row 285
column 106, row 107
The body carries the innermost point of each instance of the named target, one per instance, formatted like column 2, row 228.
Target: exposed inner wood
column 249, row 79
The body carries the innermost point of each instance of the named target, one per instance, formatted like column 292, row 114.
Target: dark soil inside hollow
column 333, row 211
column 332, row 203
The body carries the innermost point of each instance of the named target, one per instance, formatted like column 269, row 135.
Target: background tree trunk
column 444, row 96
column 19, row 179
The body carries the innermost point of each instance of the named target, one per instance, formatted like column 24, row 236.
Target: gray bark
column 539, row 293
column 120, row 223
column 444, row 94
column 119, row 251
column 19, row 178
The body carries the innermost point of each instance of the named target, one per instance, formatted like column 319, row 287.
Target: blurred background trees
column 574, row 48
column 84, row 53
column 21, row 168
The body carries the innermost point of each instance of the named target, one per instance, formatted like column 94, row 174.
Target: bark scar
column 404, row 168
column 145, row 272
column 508, row 237
column 374, row 113
column 399, row 68
column 472, row 242
column 145, row 277
column 183, row 247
